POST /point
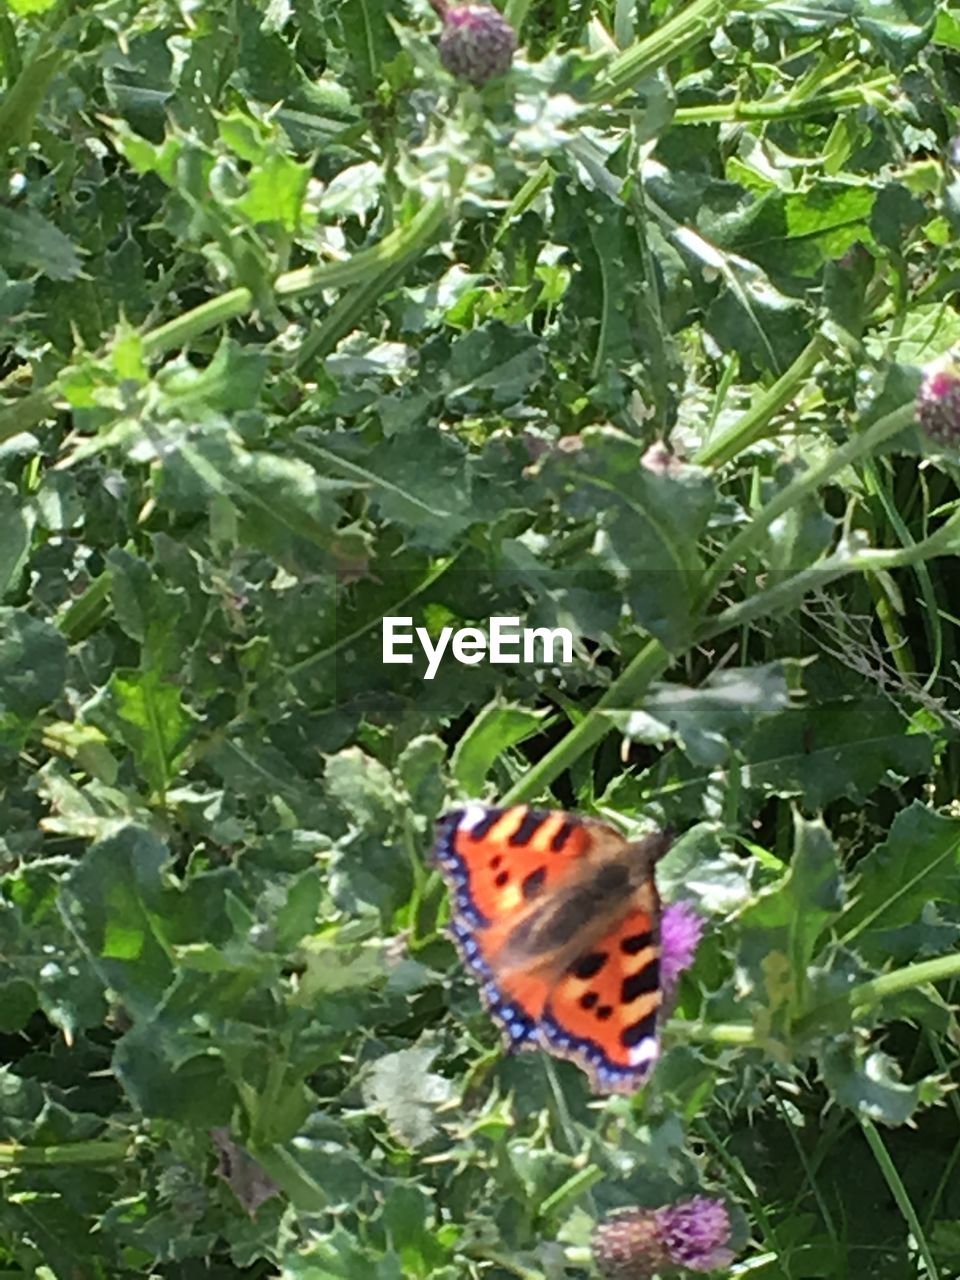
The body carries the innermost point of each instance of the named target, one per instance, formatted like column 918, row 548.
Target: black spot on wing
column 604, row 1012
column 636, row 943
column 642, row 1029
column 501, row 879
column 589, row 966
column 532, row 885
column 486, row 823
column 562, row 836
column 588, row 999
column 640, row 984
column 532, row 821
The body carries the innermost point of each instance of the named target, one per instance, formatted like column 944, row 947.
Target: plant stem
column 14, row 1155
column 784, row 108
column 946, row 541
column 731, row 1034
column 862, row 996
column 939, row 969
column 752, row 426
column 406, row 242
column 683, row 31
column 628, row 689
column 377, row 261
column 899, row 1193
column 867, row 442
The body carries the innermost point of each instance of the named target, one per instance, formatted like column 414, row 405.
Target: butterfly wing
column 500, row 865
column 602, row 1013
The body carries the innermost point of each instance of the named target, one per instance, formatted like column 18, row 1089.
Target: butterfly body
column 558, row 917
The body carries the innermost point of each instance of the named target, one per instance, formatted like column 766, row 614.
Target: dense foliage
column 297, row 331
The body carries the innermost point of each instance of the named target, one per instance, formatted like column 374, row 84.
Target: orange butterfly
column 559, row 918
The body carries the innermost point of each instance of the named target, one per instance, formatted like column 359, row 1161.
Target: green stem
column 784, row 108
column 406, row 242
column 15, row 1156
column 83, row 614
column 862, row 996
column 724, row 1034
column 627, row 690
column 377, row 261
column 523, row 199
column 682, row 32
column 754, row 423
column 806, row 484
column 899, row 1193
column 946, row 541
column 897, row 981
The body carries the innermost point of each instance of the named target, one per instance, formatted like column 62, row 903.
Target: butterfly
column 558, row 917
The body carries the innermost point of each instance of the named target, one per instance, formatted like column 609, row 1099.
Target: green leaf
column 491, row 368
column 710, row 721
column 28, row 240
column 420, row 770
column 277, row 189
column 33, row 664
column 835, row 748
column 495, row 729
column 422, row 481
column 779, row 932
column 116, row 901
column 146, row 711
column 401, row 1088
column 870, row 1084
column 364, row 788
column 231, row 380
column 280, row 498
column 919, row 862
column 16, row 526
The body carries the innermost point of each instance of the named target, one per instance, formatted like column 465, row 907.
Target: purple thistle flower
column 634, row 1244
column 477, row 42
column 938, row 403
column 695, row 1233
column 681, row 928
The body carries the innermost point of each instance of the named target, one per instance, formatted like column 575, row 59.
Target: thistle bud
column 938, row 404
column 477, row 42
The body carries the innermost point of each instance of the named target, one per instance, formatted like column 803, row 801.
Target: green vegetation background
column 296, row 332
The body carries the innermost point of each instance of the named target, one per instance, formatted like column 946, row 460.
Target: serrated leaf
column 919, row 862
column 27, row 239
column 402, row 1089
column 870, row 1085
column 779, row 932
